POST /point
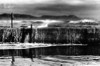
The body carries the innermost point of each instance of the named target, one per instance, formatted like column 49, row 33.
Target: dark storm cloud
column 61, row 9
column 64, row 7
column 84, row 8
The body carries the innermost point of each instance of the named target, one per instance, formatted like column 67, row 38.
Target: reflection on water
column 54, row 50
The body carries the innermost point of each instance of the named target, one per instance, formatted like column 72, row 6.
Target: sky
column 80, row 8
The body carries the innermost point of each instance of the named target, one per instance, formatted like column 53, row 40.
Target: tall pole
column 12, row 51
column 12, row 17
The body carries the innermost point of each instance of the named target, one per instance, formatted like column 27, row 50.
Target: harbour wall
column 90, row 36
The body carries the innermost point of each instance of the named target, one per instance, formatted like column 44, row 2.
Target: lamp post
column 12, row 51
column 12, row 17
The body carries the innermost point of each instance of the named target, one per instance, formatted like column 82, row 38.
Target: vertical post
column 31, row 34
column 31, row 26
column 30, row 41
column 13, row 59
column 12, row 20
column 12, row 51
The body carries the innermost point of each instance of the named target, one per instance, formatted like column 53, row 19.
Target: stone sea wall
column 52, row 35
column 89, row 36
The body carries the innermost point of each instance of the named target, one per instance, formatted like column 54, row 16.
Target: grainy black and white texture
column 49, row 33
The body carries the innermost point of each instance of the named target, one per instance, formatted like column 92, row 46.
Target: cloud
column 70, row 2
column 64, row 7
column 81, row 2
column 85, row 8
column 25, row 1
column 73, row 2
